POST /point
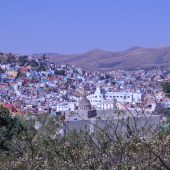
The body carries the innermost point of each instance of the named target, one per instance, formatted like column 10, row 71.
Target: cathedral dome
column 84, row 104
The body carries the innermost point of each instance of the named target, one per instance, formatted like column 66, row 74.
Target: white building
column 106, row 101
column 124, row 97
column 96, row 99
column 108, row 104
column 66, row 106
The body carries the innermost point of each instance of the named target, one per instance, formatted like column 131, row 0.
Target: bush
column 46, row 148
column 10, row 127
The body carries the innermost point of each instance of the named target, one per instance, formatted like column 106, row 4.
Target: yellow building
column 11, row 73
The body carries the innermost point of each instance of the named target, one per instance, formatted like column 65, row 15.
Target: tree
column 60, row 72
column 10, row 127
column 47, row 148
column 34, row 63
column 11, row 58
column 23, row 60
column 1, row 71
column 166, row 88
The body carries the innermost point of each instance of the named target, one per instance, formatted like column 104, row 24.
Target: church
column 100, row 102
column 85, row 108
column 108, row 100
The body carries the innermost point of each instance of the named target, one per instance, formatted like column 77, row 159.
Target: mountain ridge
column 101, row 60
column 132, row 58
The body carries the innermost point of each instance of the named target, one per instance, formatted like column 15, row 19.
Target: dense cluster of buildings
column 61, row 89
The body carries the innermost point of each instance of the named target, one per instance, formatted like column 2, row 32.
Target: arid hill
column 133, row 58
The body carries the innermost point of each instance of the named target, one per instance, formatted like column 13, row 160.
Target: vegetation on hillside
column 166, row 88
column 25, row 60
column 23, row 146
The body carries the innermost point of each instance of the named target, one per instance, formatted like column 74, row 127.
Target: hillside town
column 84, row 85
column 37, row 86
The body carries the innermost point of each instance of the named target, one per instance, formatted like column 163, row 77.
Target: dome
column 84, row 104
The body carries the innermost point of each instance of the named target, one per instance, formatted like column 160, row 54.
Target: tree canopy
column 10, row 127
column 166, row 87
column 41, row 145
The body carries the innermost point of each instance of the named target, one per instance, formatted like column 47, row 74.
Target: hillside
column 136, row 57
column 132, row 58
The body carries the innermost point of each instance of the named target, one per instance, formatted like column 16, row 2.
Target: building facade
column 105, row 101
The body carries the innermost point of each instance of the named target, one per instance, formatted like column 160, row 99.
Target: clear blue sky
column 74, row 26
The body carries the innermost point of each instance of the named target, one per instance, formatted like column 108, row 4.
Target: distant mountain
column 132, row 58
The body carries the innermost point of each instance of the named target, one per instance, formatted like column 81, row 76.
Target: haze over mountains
column 132, row 58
